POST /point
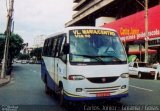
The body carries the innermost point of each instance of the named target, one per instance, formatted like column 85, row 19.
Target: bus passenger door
column 55, row 62
column 58, row 65
column 56, row 71
column 52, row 61
column 62, row 62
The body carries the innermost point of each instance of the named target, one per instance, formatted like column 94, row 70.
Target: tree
column 37, row 52
column 23, row 56
column 15, row 45
column 2, row 42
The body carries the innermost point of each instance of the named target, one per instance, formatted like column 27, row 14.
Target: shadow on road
column 98, row 105
column 92, row 105
column 17, row 68
column 143, row 78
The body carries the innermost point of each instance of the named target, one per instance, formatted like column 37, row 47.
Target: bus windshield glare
column 94, row 45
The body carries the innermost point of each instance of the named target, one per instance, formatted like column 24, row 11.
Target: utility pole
column 146, row 28
column 146, row 31
column 7, row 36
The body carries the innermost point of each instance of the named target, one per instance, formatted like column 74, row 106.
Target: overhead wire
column 140, row 3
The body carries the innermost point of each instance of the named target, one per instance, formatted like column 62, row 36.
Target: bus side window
column 54, row 47
column 63, row 56
column 45, row 48
column 49, row 49
column 43, row 52
column 59, row 44
column 48, row 44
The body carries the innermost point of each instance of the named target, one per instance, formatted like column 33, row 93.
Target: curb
column 5, row 82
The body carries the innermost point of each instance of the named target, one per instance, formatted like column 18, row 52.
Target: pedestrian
column 157, row 75
column 158, row 69
column 137, row 60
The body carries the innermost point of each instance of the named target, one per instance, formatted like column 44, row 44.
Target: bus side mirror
column 66, row 48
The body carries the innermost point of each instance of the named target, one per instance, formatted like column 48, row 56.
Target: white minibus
column 85, row 63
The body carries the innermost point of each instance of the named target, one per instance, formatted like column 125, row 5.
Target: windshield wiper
column 93, row 57
column 115, row 58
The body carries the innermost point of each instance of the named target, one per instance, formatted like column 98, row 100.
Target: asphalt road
column 25, row 92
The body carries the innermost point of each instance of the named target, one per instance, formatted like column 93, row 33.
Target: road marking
column 32, row 70
column 141, row 88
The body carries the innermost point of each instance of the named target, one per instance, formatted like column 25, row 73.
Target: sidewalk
column 5, row 80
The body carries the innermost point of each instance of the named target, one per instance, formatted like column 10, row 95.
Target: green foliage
column 2, row 43
column 23, row 56
column 15, row 45
column 37, row 52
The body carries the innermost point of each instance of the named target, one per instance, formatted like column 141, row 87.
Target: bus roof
column 89, row 27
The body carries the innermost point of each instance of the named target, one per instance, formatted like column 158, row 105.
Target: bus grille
column 102, row 89
column 103, row 79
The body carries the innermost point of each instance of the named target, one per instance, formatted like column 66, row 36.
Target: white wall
column 102, row 20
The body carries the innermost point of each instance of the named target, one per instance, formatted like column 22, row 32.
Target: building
column 27, row 50
column 120, row 15
column 132, row 32
column 39, row 41
column 87, row 11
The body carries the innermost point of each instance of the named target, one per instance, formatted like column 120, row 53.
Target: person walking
column 157, row 75
column 158, row 70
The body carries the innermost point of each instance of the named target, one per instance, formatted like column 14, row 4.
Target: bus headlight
column 76, row 77
column 124, row 75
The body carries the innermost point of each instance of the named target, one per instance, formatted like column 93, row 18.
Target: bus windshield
column 94, row 45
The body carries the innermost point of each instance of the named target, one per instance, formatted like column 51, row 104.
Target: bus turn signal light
column 76, row 77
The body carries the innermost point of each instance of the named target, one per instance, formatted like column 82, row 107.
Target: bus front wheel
column 46, row 89
column 61, row 99
column 117, row 99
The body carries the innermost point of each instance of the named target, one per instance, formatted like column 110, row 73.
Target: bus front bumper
column 72, row 97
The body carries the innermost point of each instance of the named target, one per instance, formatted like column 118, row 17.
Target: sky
column 37, row 17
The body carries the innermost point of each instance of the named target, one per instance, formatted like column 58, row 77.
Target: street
column 26, row 90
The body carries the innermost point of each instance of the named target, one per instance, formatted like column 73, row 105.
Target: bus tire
column 48, row 91
column 61, row 99
column 116, row 99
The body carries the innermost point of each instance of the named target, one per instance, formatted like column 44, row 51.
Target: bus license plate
column 103, row 94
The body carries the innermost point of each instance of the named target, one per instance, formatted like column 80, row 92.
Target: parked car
column 141, row 69
column 18, row 61
column 31, row 61
column 24, row 61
